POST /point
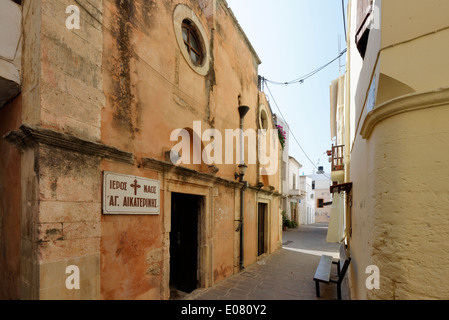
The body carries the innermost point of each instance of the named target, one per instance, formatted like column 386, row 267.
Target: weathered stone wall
column 224, row 232
column 10, row 203
column 132, row 254
column 151, row 90
column 106, row 97
column 71, row 80
column 145, row 88
column 61, row 206
column 68, row 231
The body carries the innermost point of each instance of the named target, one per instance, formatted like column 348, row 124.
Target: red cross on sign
column 135, row 186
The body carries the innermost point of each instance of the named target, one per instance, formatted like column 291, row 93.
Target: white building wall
column 284, row 169
column 322, row 191
column 307, row 205
column 293, row 177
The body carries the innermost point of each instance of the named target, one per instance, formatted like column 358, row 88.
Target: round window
column 263, row 118
column 192, row 40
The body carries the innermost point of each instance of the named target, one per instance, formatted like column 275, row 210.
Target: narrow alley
column 285, row 275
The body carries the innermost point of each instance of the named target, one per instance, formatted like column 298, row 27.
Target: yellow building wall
column 411, row 163
column 399, row 155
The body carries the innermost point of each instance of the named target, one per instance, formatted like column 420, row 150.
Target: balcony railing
column 338, row 154
column 296, row 192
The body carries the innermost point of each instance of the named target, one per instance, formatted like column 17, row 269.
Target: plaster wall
column 10, row 203
column 106, row 97
column 397, row 149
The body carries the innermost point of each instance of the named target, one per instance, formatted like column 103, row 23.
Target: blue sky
column 293, row 38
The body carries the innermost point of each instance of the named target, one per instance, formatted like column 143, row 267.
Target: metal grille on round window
column 191, row 42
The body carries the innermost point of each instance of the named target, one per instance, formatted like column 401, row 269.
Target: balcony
column 296, row 193
column 337, row 155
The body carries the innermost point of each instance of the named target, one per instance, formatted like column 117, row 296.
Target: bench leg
column 339, row 291
column 317, row 285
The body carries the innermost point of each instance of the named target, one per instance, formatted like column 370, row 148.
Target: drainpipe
column 243, row 110
column 348, row 148
column 242, row 199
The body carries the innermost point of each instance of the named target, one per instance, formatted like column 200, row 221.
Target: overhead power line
column 290, row 131
column 307, row 76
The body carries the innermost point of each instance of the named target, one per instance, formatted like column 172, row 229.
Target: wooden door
column 261, row 231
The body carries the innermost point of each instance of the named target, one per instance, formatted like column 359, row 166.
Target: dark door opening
column 261, row 212
column 184, row 242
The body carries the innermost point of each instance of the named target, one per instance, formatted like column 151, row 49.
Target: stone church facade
column 94, row 191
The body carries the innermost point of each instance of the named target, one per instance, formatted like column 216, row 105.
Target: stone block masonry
column 66, row 180
column 105, row 97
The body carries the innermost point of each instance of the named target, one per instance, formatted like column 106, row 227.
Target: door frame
column 261, row 198
column 196, row 225
column 204, row 231
column 265, row 228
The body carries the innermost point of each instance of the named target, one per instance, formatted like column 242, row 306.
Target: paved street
column 285, row 275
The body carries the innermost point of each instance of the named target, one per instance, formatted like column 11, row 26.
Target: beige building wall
column 322, row 214
column 398, row 155
column 321, row 192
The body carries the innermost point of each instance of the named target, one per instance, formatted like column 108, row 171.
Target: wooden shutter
column 364, row 19
column 364, row 8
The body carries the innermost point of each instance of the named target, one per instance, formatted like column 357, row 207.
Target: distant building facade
column 321, row 186
column 284, row 165
column 295, row 192
column 307, row 202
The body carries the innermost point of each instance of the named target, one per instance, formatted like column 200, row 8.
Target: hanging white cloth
column 336, row 230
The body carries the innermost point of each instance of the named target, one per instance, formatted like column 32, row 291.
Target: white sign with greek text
column 124, row 194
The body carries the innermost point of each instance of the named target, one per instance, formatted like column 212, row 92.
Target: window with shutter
column 320, row 203
column 364, row 20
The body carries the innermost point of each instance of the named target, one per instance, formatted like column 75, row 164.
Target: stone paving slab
column 286, row 274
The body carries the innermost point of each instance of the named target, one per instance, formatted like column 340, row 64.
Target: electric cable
column 307, row 76
column 298, row 80
column 290, row 131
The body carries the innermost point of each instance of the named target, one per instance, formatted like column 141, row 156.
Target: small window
column 263, row 119
column 320, row 203
column 364, row 19
column 192, row 43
